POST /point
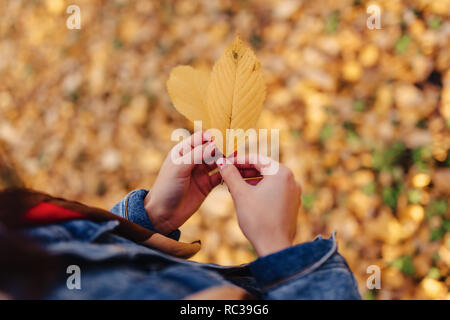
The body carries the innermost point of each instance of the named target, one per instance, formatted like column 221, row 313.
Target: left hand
column 182, row 186
column 266, row 213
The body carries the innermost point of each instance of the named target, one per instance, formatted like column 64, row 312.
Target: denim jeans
column 112, row 267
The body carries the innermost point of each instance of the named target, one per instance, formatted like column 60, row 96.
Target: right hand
column 266, row 212
column 181, row 187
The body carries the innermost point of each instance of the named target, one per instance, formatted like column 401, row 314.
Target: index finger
column 194, row 140
column 265, row 165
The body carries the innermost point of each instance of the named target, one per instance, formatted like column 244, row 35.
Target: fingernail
column 220, row 163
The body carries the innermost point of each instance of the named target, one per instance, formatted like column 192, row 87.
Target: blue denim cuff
column 293, row 261
column 132, row 208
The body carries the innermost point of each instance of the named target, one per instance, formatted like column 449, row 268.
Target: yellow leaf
column 231, row 98
column 236, row 93
column 187, row 89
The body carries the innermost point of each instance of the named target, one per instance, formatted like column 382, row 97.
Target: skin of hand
column 266, row 212
column 182, row 186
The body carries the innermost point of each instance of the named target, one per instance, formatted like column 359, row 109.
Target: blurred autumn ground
column 364, row 117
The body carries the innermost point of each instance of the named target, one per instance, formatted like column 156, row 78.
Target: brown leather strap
column 14, row 203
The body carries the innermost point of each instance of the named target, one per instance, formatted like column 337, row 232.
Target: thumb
column 231, row 176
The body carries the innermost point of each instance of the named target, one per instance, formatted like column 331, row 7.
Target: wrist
column 264, row 248
column 160, row 224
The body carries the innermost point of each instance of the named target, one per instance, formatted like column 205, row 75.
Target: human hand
column 266, row 212
column 183, row 182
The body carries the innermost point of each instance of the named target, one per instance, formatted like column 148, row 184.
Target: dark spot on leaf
column 235, row 55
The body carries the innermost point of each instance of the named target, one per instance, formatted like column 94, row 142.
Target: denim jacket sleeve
column 312, row 270
column 132, row 208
